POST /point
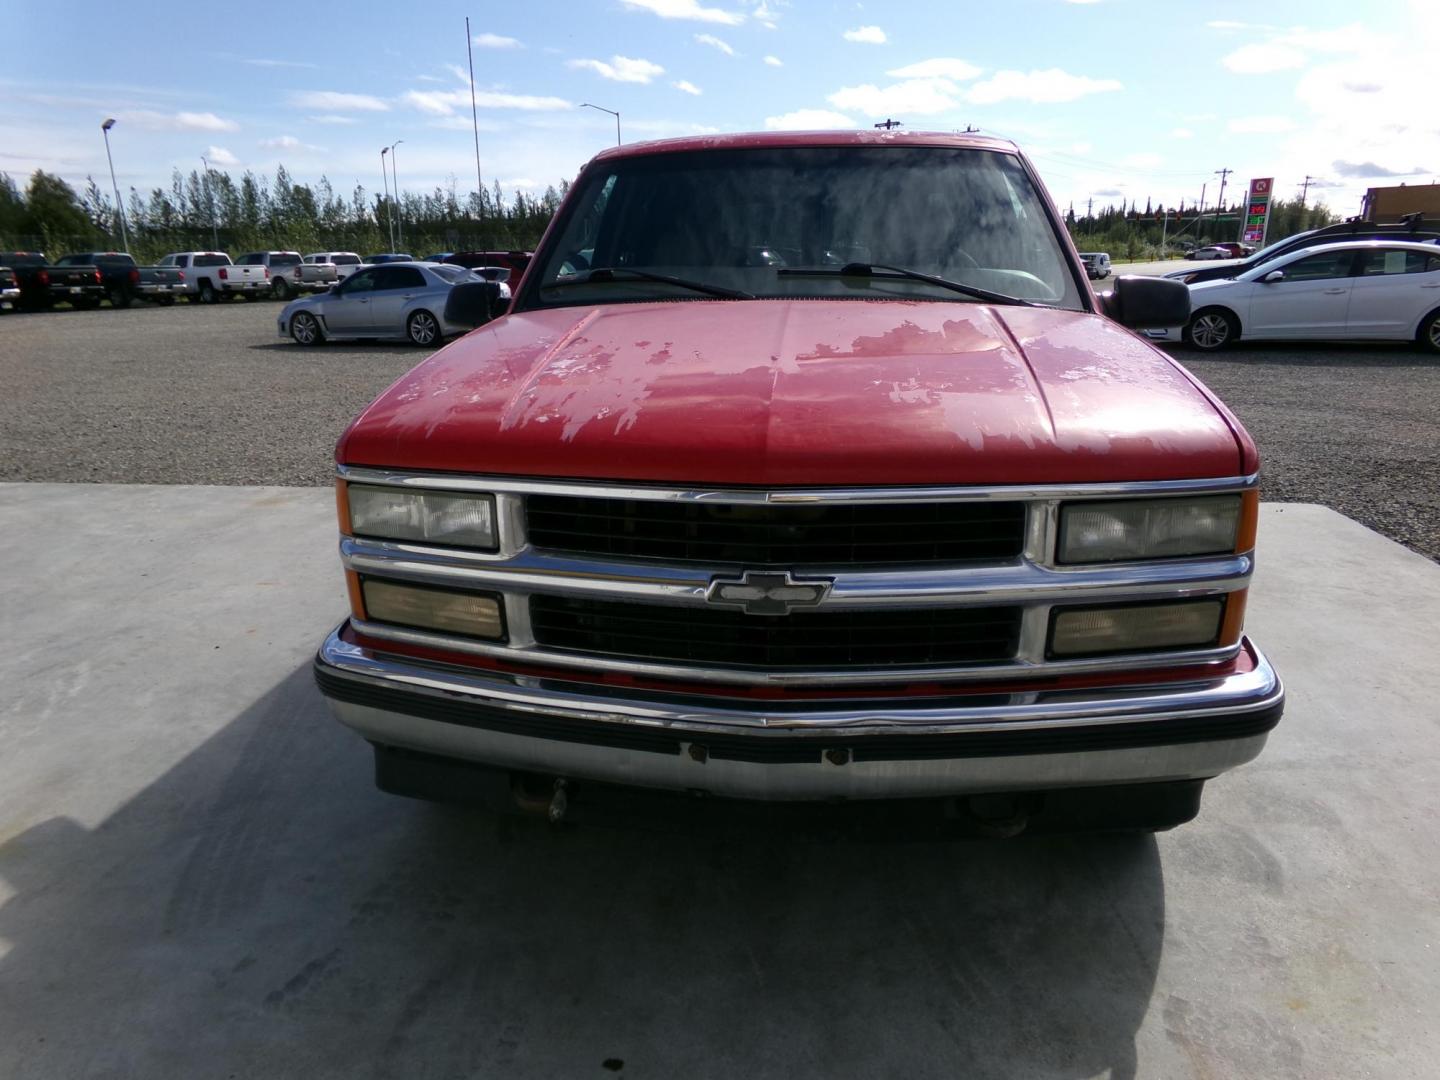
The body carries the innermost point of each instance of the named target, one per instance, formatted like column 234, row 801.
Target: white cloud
column 1047, row 87
column 218, row 155
column 1261, row 125
column 715, row 43
column 1263, row 59
column 687, row 9
column 446, row 102
column 281, row 142
column 764, row 16
column 332, row 99
column 687, row 86
column 774, row 61
column 462, row 123
column 180, row 121
column 621, row 69
column 941, row 67
column 866, row 35
column 495, row 41
column 428, row 78
column 331, row 118
column 922, row 97
column 808, row 120
column 1181, row 133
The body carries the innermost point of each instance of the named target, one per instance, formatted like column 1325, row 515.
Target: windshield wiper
column 604, row 274
column 867, row 270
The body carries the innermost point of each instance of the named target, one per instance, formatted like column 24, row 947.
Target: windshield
column 284, row 259
column 449, row 273
column 733, row 218
column 212, row 260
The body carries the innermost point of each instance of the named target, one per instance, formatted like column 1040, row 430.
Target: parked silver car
column 397, row 301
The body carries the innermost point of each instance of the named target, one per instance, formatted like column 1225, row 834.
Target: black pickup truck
column 9, row 289
column 124, row 281
column 43, row 285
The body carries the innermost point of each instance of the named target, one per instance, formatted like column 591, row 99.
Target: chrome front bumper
column 853, row 749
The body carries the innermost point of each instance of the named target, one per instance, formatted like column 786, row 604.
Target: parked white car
column 345, row 262
column 1368, row 290
column 289, row 274
column 1097, row 264
column 211, row 276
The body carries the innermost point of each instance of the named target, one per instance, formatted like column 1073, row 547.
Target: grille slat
column 812, row 639
column 832, row 535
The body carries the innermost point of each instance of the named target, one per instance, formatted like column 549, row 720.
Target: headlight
column 427, row 608
column 1135, row 628
column 1147, row 528
column 436, row 517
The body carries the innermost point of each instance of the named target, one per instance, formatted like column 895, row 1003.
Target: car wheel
column 1210, row 329
column 118, row 297
column 1430, row 332
column 422, row 329
column 207, row 293
column 305, row 329
column 281, row 288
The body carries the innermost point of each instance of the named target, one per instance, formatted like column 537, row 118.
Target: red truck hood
column 800, row 392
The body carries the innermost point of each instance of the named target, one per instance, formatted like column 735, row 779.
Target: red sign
column 1257, row 212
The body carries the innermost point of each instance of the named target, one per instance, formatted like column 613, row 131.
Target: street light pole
column 612, row 112
column 119, row 206
column 210, row 187
column 399, row 221
column 389, row 206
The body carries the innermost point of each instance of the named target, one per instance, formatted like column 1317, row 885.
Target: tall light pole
column 119, row 206
column 475, row 124
column 1220, row 206
column 210, row 187
column 399, row 221
column 389, row 206
column 612, row 112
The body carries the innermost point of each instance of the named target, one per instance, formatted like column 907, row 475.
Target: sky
column 1112, row 99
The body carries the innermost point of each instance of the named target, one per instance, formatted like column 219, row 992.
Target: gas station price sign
column 1257, row 212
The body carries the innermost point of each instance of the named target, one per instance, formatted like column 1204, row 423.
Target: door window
column 1391, row 263
column 363, row 281
column 400, row 277
column 1332, row 264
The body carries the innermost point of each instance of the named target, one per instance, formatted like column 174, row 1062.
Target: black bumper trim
column 770, row 748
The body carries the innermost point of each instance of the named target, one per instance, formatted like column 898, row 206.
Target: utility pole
column 1305, row 188
column 1200, row 211
column 119, row 206
column 890, row 125
column 475, row 123
column 1220, row 206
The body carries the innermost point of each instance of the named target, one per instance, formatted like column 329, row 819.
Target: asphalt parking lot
column 210, row 395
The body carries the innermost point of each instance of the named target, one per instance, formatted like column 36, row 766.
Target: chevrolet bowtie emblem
column 762, row 593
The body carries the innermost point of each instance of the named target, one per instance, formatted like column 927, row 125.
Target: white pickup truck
column 345, row 262
column 289, row 274
column 211, row 276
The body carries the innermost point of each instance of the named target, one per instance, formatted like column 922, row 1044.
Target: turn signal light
column 1077, row 631
column 425, row 607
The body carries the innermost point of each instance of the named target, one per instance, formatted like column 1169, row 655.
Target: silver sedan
column 397, row 301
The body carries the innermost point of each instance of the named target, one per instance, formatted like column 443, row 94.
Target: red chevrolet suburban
column 806, row 468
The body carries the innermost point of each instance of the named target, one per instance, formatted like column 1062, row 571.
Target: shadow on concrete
column 260, row 911
column 371, row 347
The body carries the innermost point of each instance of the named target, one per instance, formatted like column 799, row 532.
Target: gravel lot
column 210, row 395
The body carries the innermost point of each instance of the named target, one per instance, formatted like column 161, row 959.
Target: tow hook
column 558, row 803
column 550, row 805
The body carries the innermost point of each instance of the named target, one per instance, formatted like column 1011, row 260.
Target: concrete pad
column 197, row 879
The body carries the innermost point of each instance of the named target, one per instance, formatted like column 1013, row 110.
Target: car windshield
column 284, row 259
column 731, row 219
column 449, row 273
column 212, row 260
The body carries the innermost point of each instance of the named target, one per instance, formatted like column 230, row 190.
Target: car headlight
column 1127, row 529
column 457, row 519
column 1077, row 631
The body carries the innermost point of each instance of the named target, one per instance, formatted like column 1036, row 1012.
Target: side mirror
column 472, row 303
column 1147, row 303
column 1273, row 275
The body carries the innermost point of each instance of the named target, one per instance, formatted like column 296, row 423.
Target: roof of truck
column 760, row 139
